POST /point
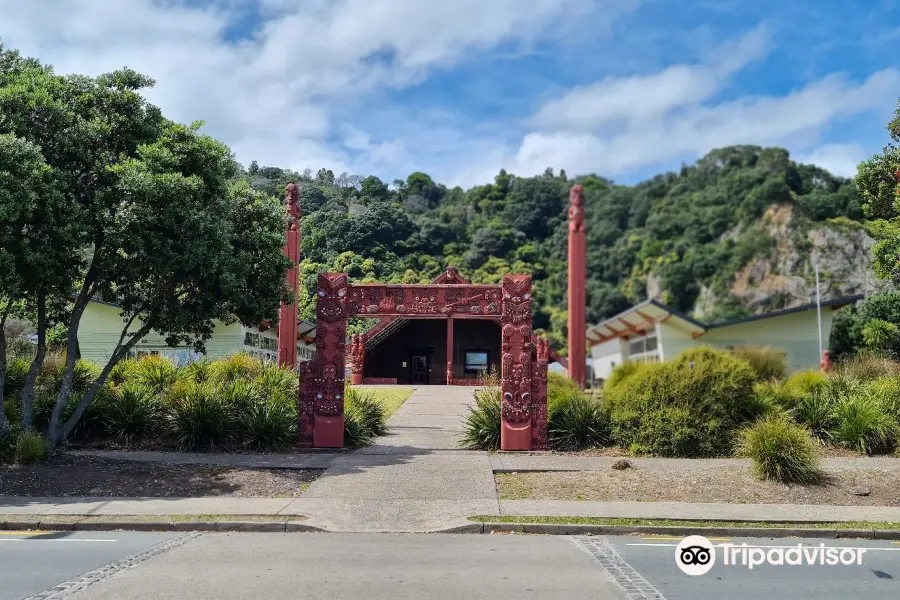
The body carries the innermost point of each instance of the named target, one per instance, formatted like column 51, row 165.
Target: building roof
column 643, row 317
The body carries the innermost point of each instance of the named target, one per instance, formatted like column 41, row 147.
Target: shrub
column 124, row 371
column 886, row 391
column 199, row 418
column 575, row 422
column 765, row 362
column 235, row 367
column 238, row 396
column 132, row 411
column 804, row 383
column 481, row 429
column 8, row 444
column 30, row 448
column 356, row 434
column 368, row 409
column 769, row 397
column 198, row 371
column 781, row 450
column 862, row 424
column 156, row 373
column 17, row 368
column 816, row 412
column 622, row 372
column 560, row 387
column 688, row 407
column 865, row 366
column 277, row 381
column 269, row 425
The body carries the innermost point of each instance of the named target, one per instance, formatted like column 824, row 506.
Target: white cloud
column 274, row 97
column 646, row 97
column 838, row 159
column 616, row 126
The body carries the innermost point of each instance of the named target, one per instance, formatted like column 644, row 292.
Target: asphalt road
column 416, row 566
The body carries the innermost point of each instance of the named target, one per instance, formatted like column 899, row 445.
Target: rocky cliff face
column 785, row 277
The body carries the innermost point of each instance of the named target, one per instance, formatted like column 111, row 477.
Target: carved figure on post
column 287, row 320
column 539, row 395
column 515, row 382
column 577, row 284
column 357, row 358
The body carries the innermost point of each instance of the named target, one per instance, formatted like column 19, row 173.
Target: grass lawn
column 390, row 398
column 679, row 523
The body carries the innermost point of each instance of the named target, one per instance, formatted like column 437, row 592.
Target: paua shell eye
column 526, row 396
column 337, row 396
column 507, row 396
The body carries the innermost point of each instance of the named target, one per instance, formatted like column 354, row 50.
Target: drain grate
column 630, row 581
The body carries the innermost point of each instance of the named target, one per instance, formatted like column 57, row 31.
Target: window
column 476, row 362
column 642, row 345
column 650, row 344
column 251, row 339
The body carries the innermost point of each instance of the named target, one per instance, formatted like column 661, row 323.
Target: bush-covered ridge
column 665, row 234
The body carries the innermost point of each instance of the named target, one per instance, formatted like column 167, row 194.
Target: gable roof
column 643, row 317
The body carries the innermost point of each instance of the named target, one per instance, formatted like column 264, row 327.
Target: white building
column 652, row 331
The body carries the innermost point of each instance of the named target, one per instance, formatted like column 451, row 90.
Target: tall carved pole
column 577, row 284
column 515, row 367
column 287, row 321
column 357, row 358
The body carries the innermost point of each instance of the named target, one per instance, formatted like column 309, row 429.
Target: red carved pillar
column 577, row 284
column 321, row 410
column 515, row 382
column 287, row 320
column 357, row 358
column 539, row 439
column 449, row 350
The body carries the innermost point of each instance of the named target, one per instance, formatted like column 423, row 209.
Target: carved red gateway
column 524, row 381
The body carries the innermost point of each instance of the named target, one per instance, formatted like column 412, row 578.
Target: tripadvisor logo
column 696, row 555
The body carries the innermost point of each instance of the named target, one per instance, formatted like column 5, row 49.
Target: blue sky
column 461, row 88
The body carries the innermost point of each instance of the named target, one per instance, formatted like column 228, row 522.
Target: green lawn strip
column 678, row 523
column 390, row 398
column 50, row 519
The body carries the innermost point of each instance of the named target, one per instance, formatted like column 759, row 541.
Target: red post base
column 515, row 436
column 356, row 378
column 328, row 432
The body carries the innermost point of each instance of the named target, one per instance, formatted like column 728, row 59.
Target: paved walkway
column 414, row 479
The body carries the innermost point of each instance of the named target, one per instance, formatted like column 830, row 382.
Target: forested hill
column 732, row 235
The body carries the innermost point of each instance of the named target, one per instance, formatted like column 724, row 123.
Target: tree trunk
column 36, row 364
column 57, row 434
column 62, row 398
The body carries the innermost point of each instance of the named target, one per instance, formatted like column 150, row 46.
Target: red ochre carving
column 321, row 405
column 577, row 284
column 287, row 320
column 357, row 358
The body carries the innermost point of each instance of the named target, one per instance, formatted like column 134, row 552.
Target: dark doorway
column 419, row 368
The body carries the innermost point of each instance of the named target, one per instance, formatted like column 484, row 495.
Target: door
column 419, row 369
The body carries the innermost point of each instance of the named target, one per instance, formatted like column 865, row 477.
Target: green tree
column 877, row 180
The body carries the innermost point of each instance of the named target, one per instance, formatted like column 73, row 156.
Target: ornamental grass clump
column 781, row 450
column 767, row 363
column 576, row 422
column 199, row 419
column 481, row 428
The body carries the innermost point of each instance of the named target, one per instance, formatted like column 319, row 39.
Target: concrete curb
column 712, row 531
column 162, row 525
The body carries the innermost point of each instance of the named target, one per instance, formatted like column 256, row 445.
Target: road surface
column 132, row 565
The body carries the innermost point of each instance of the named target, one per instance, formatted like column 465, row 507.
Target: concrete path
column 413, row 479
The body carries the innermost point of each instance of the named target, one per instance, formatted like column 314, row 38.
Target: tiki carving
column 357, row 358
column 539, row 439
column 515, row 383
column 323, row 385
